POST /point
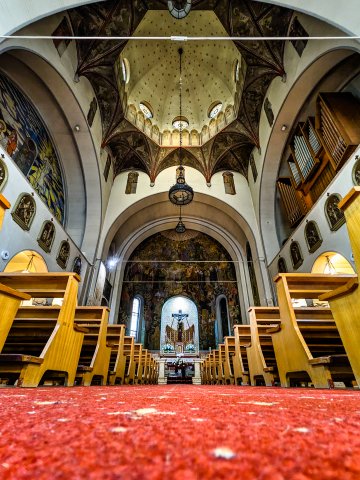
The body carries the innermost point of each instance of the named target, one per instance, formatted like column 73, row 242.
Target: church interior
column 179, row 225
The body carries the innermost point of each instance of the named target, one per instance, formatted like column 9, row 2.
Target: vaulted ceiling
column 229, row 149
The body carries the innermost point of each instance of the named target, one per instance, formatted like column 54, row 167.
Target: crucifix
column 180, row 317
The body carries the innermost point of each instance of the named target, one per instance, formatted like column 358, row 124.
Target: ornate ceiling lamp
column 181, row 193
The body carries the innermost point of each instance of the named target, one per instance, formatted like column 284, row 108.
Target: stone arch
column 78, row 155
column 304, row 86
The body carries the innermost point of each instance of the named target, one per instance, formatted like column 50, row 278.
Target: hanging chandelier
column 181, row 193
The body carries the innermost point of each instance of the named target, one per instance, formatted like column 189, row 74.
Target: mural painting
column 24, row 137
column 193, row 265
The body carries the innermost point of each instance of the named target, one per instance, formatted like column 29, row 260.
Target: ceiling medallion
column 181, row 193
column 179, row 8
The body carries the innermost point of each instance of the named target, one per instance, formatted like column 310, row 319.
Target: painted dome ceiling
column 208, row 77
column 208, row 68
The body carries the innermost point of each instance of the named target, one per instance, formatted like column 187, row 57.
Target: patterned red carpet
column 179, row 433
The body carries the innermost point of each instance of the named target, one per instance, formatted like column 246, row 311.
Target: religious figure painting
column 312, row 236
column 296, row 255
column 47, row 235
column 334, row 215
column 77, row 265
column 3, row 174
column 24, row 211
column 63, row 255
column 356, row 171
column 24, row 137
column 282, row 268
column 193, row 265
column 132, row 181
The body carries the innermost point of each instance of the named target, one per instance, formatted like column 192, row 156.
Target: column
column 197, row 377
column 162, row 380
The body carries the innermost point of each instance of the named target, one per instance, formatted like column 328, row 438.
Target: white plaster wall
column 75, row 109
column 16, row 14
column 337, row 241
column 14, row 239
column 119, row 201
column 285, row 112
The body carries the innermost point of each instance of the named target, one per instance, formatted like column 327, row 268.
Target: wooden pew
column 154, row 370
column 230, row 359
column 146, row 361
column 223, row 365
column 65, row 337
column 4, row 205
column 241, row 364
column 217, row 368
column 10, row 300
column 130, row 365
column 320, row 353
column 206, row 371
column 345, row 300
column 260, row 352
column 115, row 338
column 95, row 352
column 39, row 342
column 138, row 363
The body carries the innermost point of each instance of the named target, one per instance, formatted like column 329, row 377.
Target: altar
column 179, row 328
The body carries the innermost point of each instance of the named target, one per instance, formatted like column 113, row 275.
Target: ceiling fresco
column 228, row 150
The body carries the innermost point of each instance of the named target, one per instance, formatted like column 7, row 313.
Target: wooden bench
column 115, row 338
column 10, row 300
column 241, row 365
column 345, row 300
column 95, row 352
column 41, row 345
column 205, row 370
column 130, row 365
column 230, row 359
column 138, row 364
column 260, row 352
column 308, row 341
column 224, row 365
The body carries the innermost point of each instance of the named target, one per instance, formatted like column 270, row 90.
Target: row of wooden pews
column 289, row 345
column 286, row 345
column 64, row 344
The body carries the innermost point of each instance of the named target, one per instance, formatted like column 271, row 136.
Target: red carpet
column 179, row 433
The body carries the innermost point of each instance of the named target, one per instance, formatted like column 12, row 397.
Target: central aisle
column 179, row 433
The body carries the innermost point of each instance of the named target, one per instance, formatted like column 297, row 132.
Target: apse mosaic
column 24, row 137
column 165, row 266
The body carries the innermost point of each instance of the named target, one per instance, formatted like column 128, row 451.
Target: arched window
column 334, row 215
column 252, row 275
column 135, row 320
column 222, row 324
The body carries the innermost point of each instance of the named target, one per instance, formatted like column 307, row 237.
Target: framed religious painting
column 46, row 236
column 24, row 211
